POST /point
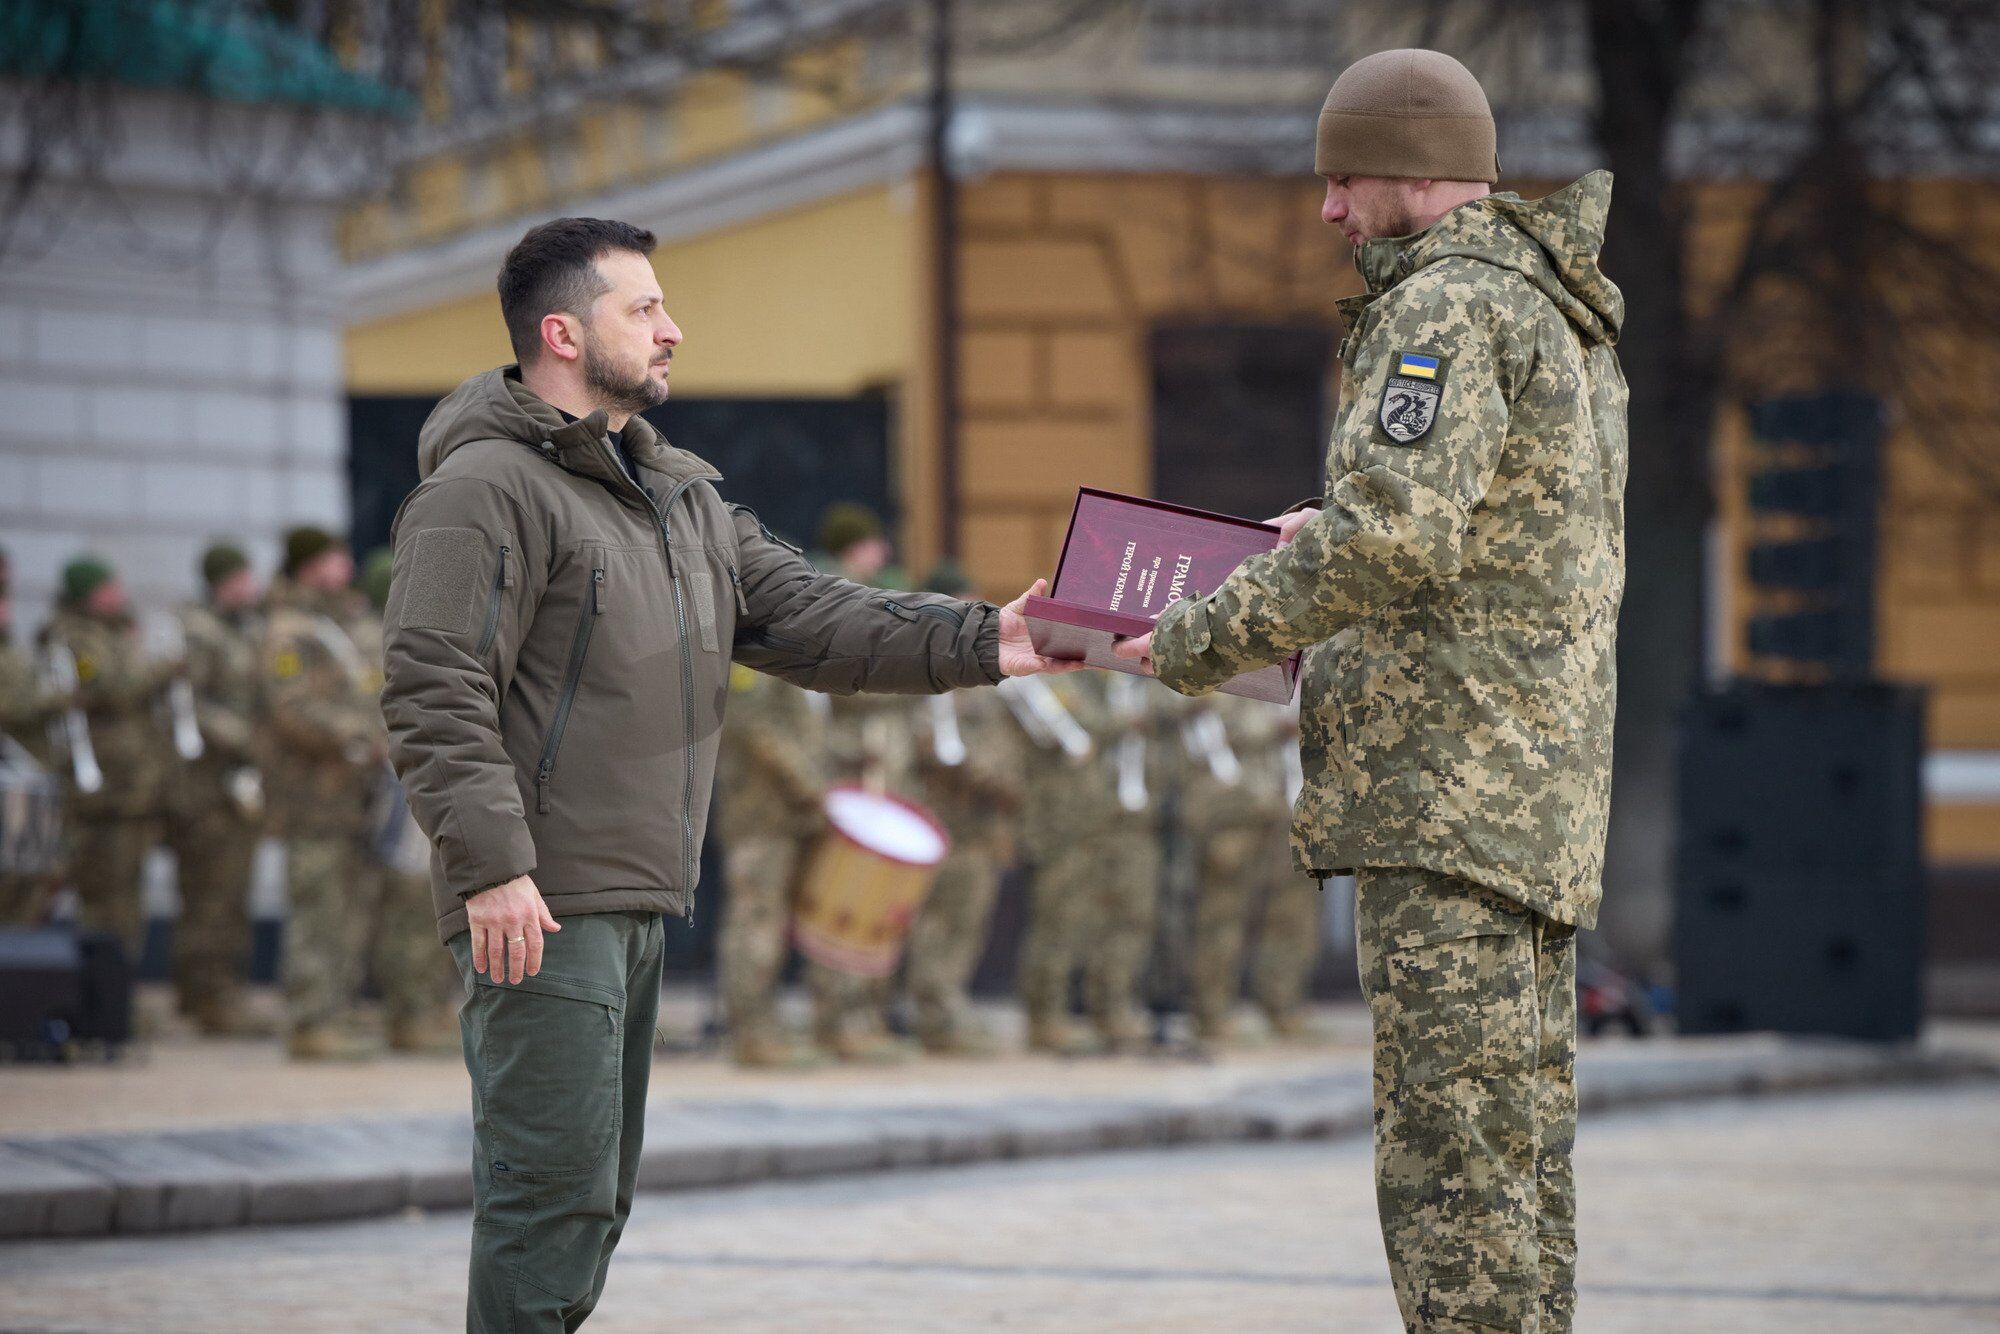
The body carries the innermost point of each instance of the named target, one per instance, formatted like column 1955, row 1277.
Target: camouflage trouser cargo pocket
column 1454, row 976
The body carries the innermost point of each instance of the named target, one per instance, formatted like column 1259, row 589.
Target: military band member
column 1235, row 804
column 214, row 810
column 1092, row 822
column 967, row 753
column 771, row 780
column 324, row 748
column 27, row 706
column 112, row 826
column 1456, row 592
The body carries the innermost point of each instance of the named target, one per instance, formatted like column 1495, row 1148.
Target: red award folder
column 1125, row 561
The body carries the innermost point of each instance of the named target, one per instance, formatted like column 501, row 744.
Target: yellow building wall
column 1062, row 278
column 817, row 301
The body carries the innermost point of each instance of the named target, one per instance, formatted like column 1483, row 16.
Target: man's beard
column 614, row 391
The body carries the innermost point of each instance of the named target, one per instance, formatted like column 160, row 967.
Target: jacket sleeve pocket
column 444, row 581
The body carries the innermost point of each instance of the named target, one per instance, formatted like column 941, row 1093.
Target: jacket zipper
column 579, row 646
column 955, row 618
column 687, row 689
column 660, row 512
column 742, row 602
column 493, row 607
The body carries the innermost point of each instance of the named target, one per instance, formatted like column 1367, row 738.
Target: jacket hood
column 1552, row 242
column 497, row 406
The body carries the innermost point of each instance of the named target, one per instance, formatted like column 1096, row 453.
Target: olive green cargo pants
column 559, row 1064
column 1473, row 1000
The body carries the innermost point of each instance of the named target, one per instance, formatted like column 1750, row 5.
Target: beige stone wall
column 1062, row 279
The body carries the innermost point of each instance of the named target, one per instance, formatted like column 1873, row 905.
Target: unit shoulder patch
column 1411, row 395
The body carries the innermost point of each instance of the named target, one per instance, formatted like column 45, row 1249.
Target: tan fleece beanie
column 1407, row 113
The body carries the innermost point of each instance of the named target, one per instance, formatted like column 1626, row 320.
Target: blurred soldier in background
column 968, row 764
column 772, row 778
column 214, row 806
column 854, row 544
column 870, row 742
column 1238, row 815
column 325, row 748
column 1093, row 828
column 394, row 896
column 26, row 708
column 110, row 829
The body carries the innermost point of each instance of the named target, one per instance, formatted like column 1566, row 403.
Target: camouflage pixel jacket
column 1458, row 593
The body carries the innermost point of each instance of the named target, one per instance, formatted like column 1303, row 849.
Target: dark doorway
column 1239, row 415
column 789, row 458
column 381, row 462
column 786, row 458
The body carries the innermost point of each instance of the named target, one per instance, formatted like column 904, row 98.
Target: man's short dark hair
column 554, row 268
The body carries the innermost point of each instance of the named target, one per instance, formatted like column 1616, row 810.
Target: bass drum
column 867, row 878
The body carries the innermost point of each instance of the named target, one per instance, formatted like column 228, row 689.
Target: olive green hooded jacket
column 559, row 644
column 1457, row 596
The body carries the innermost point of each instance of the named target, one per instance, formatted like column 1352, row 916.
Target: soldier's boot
column 964, row 1038
column 1123, row 1031
column 424, row 1035
column 156, row 1015
column 771, row 1051
column 1058, row 1037
column 1292, row 1024
column 226, row 1017
column 871, row 1046
column 325, row 1042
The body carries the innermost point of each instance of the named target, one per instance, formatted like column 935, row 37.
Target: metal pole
column 944, row 278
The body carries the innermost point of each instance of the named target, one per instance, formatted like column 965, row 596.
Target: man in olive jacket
column 568, row 596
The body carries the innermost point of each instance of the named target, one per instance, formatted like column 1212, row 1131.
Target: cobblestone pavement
column 1831, row 1214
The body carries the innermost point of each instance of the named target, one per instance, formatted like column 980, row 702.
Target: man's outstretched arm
column 826, row 633
column 1395, row 519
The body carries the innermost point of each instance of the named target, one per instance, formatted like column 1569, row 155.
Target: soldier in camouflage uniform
column 771, row 779
column 111, row 830
column 26, row 708
column 1457, row 596
column 968, row 763
column 1234, row 802
column 871, row 743
column 213, row 811
column 418, row 986
column 1097, row 871
column 325, row 748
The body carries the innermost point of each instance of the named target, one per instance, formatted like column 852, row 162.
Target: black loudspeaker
column 57, row 987
column 1800, row 886
column 106, row 1015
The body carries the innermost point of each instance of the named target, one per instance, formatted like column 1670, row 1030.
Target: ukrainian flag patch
column 1410, row 396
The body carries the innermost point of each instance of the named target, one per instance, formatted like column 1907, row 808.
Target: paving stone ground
column 1835, row 1214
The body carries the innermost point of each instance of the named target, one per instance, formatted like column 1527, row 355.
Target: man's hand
column 1289, row 524
column 1017, row 650
column 507, row 923
column 1140, row 649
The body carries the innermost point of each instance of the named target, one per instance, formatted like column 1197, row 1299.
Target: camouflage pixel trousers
column 346, row 912
column 946, row 939
column 214, row 848
column 1473, row 1001
column 1243, row 868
